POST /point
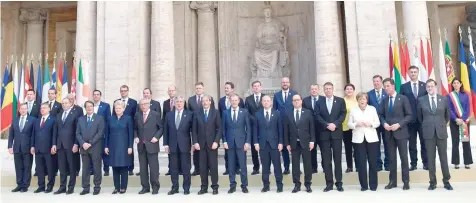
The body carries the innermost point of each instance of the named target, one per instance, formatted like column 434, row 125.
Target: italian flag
column 82, row 89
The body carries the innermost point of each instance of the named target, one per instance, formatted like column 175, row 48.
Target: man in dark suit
column 395, row 114
column 169, row 105
column 434, row 114
column 177, row 142
column 131, row 110
column 331, row 113
column 154, row 105
column 224, row 104
column 236, row 139
column 103, row 109
column 311, row 103
column 54, row 105
column 206, row 134
column 253, row 104
column 77, row 112
column 33, row 107
column 194, row 104
column 66, row 145
column 148, row 130
column 89, row 133
column 42, row 147
column 268, row 140
column 413, row 90
column 282, row 102
column 19, row 144
column 376, row 96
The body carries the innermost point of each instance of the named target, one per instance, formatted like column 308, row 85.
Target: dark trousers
column 44, row 160
column 131, row 167
column 455, row 140
column 402, row 146
column 66, row 166
column 226, row 162
column 255, row 159
column 120, row 177
column 380, row 163
column 431, row 145
column 54, row 161
column 86, row 157
column 23, row 169
column 296, row 159
column 196, row 160
column 268, row 156
column 105, row 162
column 77, row 161
column 349, row 151
column 179, row 168
column 367, row 152
column 332, row 148
column 149, row 161
column 237, row 155
column 209, row 162
column 184, row 162
column 413, row 129
column 285, row 155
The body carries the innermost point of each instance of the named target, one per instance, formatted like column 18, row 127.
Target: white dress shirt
column 368, row 115
column 96, row 107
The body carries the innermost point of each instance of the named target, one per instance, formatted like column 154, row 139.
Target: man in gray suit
column 89, row 133
column 395, row 114
column 433, row 113
column 148, row 130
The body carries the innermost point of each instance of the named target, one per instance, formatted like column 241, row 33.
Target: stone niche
column 237, row 27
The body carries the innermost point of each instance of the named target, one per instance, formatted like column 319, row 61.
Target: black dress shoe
column 244, row 190
column 348, row 170
column 296, row 189
column 328, row 188
column 122, row 191
column 448, row 186
column 215, row 192
column 96, row 192
column 279, row 190
column 155, row 191
column 363, row 189
column 456, row 166
column 387, row 169
column 432, row 186
column 49, row 190
column 167, row 174
column 265, row 189
column 60, row 191
column 39, row 190
column 308, row 189
column 131, row 173
column 412, row 168
column 391, row 185
column 314, row 171
column 340, row 188
column 255, row 172
column 24, row 190
column 406, row 186
column 115, row 191
column 195, row 173
column 91, row 173
column 467, row 167
column 373, row 189
column 225, row 173
column 106, row 173
column 202, row 191
column 70, row 191
column 17, row 189
column 84, row 192
column 143, row 191
column 425, row 168
column 286, row 172
column 137, row 174
column 232, row 190
column 186, row 192
column 172, row 192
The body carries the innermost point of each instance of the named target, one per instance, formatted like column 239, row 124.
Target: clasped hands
column 331, row 126
column 393, row 127
column 363, row 124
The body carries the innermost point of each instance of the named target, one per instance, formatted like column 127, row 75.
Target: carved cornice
column 204, row 6
column 34, row 16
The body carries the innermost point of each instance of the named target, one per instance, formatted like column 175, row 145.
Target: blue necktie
column 206, row 115
column 267, row 116
column 315, row 103
column 89, row 122
column 390, row 106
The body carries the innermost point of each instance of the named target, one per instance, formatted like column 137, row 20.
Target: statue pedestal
column 269, row 86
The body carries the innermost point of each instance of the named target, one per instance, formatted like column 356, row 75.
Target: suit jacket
column 76, row 110
column 307, row 103
column 92, row 135
column 433, row 122
column 360, row 133
column 373, row 99
column 154, row 106
column 104, row 110
column 43, row 136
column 252, row 106
column 65, row 136
column 131, row 107
column 35, row 110
column 145, row 131
column 407, row 90
column 222, row 105
column 283, row 106
column 302, row 130
column 56, row 109
column 178, row 139
column 401, row 114
column 166, row 108
column 21, row 140
column 193, row 106
column 336, row 116
column 236, row 134
column 205, row 133
column 268, row 132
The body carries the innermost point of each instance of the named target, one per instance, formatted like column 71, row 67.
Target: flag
column 423, row 67
column 403, row 64
column 46, row 83
column 450, row 72
column 396, row 68
column 431, row 73
column 464, row 73
column 4, row 84
column 39, row 86
column 79, row 89
column 472, row 73
column 32, row 76
column 59, row 84
column 27, row 79
column 407, row 61
column 7, row 111
column 86, row 91
column 73, row 80
column 64, row 81
column 445, row 87
column 21, row 85
column 16, row 90
column 390, row 59
column 54, row 79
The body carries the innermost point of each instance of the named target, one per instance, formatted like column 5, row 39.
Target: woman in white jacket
column 363, row 120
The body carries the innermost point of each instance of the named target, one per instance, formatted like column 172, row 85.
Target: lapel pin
column 184, row 115
column 335, row 101
column 398, row 99
column 240, row 111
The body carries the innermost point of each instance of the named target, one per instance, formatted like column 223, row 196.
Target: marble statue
column 471, row 24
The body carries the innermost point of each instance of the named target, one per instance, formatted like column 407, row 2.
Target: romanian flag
column 464, row 73
column 450, row 72
column 394, row 62
column 431, row 73
column 472, row 73
column 59, row 83
column 7, row 101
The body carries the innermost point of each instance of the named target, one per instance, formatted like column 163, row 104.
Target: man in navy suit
column 268, row 141
column 42, row 147
column 33, row 106
column 54, row 105
column 224, row 104
column 178, row 142
column 413, row 90
column 236, row 139
column 169, row 105
column 131, row 109
column 310, row 103
column 20, row 140
column 103, row 109
column 376, row 96
column 282, row 102
column 253, row 105
column 77, row 112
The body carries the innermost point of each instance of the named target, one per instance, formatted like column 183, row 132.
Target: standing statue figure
column 471, row 24
column 270, row 57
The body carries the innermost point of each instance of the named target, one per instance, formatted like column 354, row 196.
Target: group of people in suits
column 270, row 127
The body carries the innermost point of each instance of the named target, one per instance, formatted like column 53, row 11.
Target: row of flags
column 16, row 84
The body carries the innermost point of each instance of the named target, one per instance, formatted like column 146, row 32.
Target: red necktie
column 145, row 117
column 172, row 104
column 42, row 122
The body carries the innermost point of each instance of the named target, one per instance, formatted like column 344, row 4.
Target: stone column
column 162, row 73
column 100, row 69
column 86, row 38
column 329, row 56
column 34, row 19
column 207, row 56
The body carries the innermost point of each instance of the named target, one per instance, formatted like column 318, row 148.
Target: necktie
column 415, row 93
column 64, row 116
column 234, row 115
column 206, row 115
column 257, row 100
column 145, row 117
column 314, row 104
column 89, row 122
column 51, row 105
column 177, row 120
column 227, row 102
column 199, row 100
column 378, row 96
column 42, row 122
column 172, row 104
column 390, row 106
column 29, row 107
column 22, row 123
column 329, row 105
column 124, row 100
column 297, row 116
column 267, row 116
column 285, row 96
column 433, row 104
